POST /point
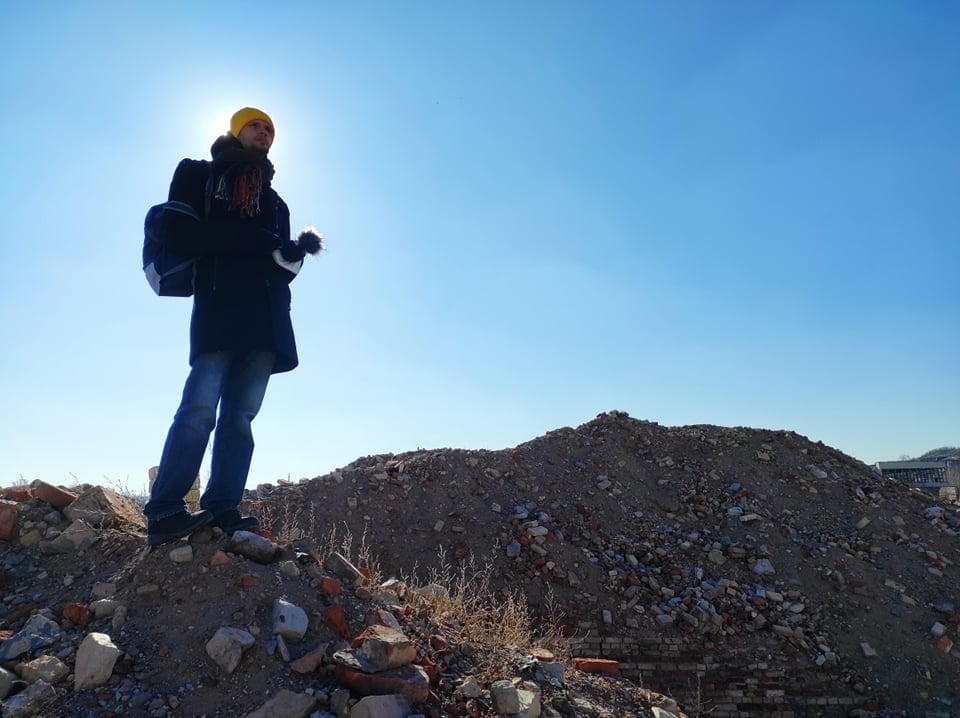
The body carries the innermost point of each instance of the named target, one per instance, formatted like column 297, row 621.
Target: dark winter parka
column 241, row 295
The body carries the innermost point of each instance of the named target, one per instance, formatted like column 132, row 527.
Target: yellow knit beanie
column 248, row 114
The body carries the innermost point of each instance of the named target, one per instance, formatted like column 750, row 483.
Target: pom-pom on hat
column 248, row 114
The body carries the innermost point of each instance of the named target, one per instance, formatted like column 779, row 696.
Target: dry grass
column 460, row 600
column 470, row 608
column 360, row 554
column 297, row 523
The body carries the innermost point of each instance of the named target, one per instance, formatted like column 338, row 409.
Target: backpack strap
column 208, row 192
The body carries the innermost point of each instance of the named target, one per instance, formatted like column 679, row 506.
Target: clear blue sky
column 736, row 213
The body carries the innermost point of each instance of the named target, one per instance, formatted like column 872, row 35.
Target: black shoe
column 171, row 528
column 231, row 521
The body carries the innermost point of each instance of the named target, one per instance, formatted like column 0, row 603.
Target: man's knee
column 199, row 418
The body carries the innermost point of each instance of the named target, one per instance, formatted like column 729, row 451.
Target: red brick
column 76, row 613
column 309, row 662
column 331, row 586
column 597, row 665
column 9, row 511
column 430, row 667
column 336, row 619
column 54, row 495
column 410, row 681
column 20, row 494
column 384, row 648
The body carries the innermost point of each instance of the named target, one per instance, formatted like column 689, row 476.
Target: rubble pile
column 245, row 626
column 738, row 571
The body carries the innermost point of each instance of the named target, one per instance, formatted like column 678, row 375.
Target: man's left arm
column 289, row 257
column 291, row 253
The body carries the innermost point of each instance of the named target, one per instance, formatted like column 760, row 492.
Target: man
column 240, row 330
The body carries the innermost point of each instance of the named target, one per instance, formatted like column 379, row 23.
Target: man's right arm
column 188, row 237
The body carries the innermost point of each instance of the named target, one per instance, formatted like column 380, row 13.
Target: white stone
column 529, row 697
column 286, row 704
column 289, row 620
column 102, row 589
column 95, row 661
column 104, row 607
column 182, row 554
column 45, row 668
column 389, row 706
column 79, row 535
column 431, row 590
column 227, row 646
column 389, row 648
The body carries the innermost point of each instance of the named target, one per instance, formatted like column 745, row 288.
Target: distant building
column 928, row 474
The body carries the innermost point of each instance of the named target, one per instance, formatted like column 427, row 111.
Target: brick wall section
column 681, row 668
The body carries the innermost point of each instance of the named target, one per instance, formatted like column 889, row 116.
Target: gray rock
column 469, row 688
column 340, row 566
column 289, row 568
column 6, row 683
column 506, row 698
column 38, row 632
column 340, row 702
column 30, row 702
column 762, row 567
column 254, row 547
column 552, row 671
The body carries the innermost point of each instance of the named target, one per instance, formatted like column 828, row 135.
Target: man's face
column 256, row 136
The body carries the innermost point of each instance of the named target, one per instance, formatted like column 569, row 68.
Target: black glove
column 309, row 240
column 291, row 251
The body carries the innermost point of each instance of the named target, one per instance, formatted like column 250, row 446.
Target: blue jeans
column 236, row 382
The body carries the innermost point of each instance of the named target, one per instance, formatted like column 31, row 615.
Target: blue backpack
column 169, row 274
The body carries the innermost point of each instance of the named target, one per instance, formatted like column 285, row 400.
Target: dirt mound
column 741, row 571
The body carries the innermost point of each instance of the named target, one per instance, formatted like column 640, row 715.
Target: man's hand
column 309, row 240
